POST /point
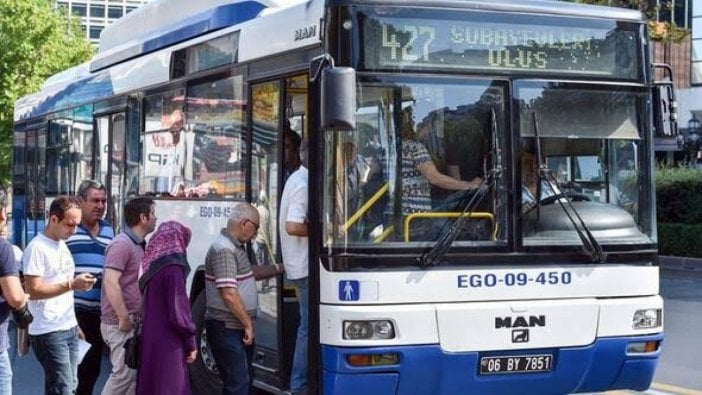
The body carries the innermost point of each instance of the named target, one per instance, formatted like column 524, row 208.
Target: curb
column 680, row 263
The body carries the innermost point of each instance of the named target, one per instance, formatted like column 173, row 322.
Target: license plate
column 516, row 364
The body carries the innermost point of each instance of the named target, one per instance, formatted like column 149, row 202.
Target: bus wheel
column 203, row 372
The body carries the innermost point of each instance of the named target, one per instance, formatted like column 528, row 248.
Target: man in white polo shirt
column 294, row 246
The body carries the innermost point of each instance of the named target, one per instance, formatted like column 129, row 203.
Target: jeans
column 89, row 368
column 5, row 373
column 234, row 359
column 298, row 377
column 57, row 353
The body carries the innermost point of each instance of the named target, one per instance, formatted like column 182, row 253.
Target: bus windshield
column 591, row 149
column 419, row 153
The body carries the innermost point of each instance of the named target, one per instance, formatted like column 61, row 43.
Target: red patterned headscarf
column 170, row 238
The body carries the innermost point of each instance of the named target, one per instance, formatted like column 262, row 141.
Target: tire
column 204, row 377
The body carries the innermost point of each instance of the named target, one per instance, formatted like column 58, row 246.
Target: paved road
column 681, row 363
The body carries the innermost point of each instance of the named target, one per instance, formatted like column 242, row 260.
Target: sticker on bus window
column 349, row 290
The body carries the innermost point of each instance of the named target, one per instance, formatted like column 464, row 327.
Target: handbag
column 132, row 348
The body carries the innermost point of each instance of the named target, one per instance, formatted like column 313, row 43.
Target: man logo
column 520, row 336
column 520, row 321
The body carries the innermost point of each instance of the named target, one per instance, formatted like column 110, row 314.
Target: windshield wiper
column 450, row 234
column 592, row 247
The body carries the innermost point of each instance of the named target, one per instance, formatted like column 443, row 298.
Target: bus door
column 265, row 194
column 275, row 106
column 110, row 162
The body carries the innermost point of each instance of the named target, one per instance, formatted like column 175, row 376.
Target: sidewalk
column 680, row 263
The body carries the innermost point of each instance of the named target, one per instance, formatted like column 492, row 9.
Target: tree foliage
column 36, row 41
column 659, row 30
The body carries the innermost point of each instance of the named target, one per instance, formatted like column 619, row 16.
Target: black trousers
column 89, row 368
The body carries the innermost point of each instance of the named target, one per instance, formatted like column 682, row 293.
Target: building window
column 696, row 55
column 673, row 11
column 130, row 9
column 680, row 13
column 79, row 10
column 97, row 11
column 95, row 32
column 114, row 12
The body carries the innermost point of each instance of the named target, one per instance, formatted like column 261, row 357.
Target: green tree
column 659, row 30
column 36, row 41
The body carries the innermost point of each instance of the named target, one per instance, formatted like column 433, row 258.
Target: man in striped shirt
column 232, row 298
column 87, row 246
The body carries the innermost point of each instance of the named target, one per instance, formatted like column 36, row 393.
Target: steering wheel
column 570, row 195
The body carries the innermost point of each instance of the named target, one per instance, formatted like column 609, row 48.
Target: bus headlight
column 648, row 318
column 369, row 330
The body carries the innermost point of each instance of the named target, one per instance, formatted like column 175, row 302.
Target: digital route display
column 510, row 43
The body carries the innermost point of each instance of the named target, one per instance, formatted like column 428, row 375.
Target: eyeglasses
column 91, row 184
column 252, row 223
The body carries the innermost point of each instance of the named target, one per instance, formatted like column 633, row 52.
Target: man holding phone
column 87, row 246
column 49, row 279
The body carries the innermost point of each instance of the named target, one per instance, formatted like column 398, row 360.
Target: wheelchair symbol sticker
column 349, row 290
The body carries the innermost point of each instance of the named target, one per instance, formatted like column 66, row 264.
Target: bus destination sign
column 607, row 51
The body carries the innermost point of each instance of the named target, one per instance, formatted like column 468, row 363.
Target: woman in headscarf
column 168, row 332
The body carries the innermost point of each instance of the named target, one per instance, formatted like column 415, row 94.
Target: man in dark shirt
column 12, row 296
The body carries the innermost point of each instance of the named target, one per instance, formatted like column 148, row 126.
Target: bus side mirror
column 665, row 111
column 665, row 106
column 339, row 99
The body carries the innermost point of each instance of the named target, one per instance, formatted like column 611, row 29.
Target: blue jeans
column 5, row 373
column 57, row 353
column 234, row 359
column 298, row 377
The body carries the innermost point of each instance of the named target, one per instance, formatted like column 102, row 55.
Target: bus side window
column 215, row 151
column 163, row 146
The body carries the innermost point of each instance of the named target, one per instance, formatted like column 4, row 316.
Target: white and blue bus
column 415, row 289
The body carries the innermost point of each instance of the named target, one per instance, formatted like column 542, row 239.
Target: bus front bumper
column 426, row 369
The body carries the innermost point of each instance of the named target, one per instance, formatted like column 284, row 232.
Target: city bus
column 417, row 285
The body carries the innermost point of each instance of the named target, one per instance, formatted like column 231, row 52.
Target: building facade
column 692, row 96
column 96, row 14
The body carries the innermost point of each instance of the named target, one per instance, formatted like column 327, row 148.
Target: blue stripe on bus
column 99, row 86
column 603, row 365
column 216, row 18
column 205, row 22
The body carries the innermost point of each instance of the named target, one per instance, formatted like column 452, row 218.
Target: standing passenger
column 232, row 299
column 291, row 152
column 12, row 298
column 87, row 246
column 48, row 271
column 294, row 246
column 419, row 171
column 121, row 299
column 167, row 341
